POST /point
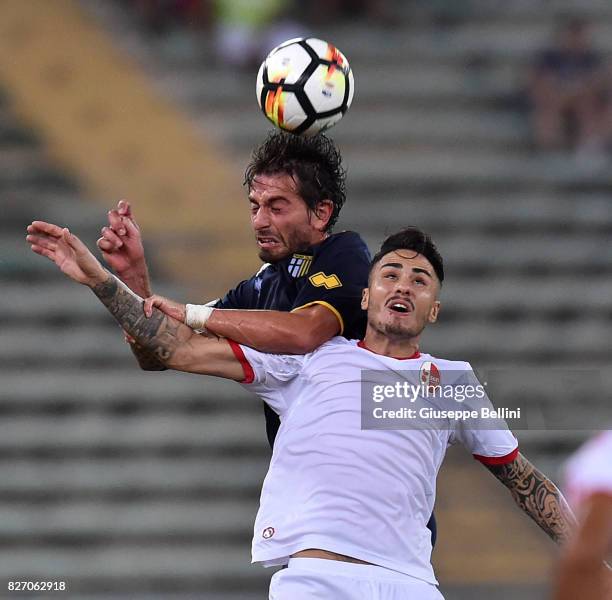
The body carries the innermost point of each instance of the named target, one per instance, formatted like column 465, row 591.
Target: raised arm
column 123, row 251
column 175, row 345
column 537, row 496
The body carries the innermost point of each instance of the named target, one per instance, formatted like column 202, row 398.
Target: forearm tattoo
column 146, row 360
column 157, row 335
column 538, row 496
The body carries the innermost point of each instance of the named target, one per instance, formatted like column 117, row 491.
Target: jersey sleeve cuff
column 328, row 306
column 249, row 374
column 497, row 460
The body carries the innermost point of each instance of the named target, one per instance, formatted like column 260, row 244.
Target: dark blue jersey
column 333, row 273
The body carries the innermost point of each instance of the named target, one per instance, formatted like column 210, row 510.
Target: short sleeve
column 489, row 440
column 239, row 297
column 269, row 375
column 336, row 280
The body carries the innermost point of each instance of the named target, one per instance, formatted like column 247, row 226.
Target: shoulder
column 344, row 241
column 337, row 343
column 334, row 345
column 345, row 253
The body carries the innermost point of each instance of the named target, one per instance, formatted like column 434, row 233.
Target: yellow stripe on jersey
column 326, row 305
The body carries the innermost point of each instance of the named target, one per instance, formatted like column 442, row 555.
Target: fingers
column 42, row 227
column 113, row 241
column 74, row 242
column 105, row 245
column 116, row 222
column 124, row 209
column 131, row 227
column 50, row 254
column 150, row 303
column 42, row 241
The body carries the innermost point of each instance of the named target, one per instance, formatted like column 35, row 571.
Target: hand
column 173, row 309
column 122, row 249
column 67, row 251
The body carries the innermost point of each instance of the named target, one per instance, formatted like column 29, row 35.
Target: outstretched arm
column 175, row 345
column 537, row 496
column 274, row 331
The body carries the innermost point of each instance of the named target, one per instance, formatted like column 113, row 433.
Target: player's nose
column 260, row 220
column 404, row 287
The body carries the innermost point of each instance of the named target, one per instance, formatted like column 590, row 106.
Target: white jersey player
column 343, row 506
column 333, row 486
column 582, row 572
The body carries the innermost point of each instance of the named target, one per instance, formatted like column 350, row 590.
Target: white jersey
column 589, row 471
column 367, row 494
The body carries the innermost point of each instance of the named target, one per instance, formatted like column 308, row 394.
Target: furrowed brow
column 269, row 200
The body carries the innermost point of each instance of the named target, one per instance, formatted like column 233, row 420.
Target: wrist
column 138, row 283
column 196, row 315
column 102, row 277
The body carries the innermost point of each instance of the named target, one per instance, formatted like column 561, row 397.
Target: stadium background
column 144, row 485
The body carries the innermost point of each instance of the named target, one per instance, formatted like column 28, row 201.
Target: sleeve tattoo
column 157, row 336
column 537, row 496
column 146, row 360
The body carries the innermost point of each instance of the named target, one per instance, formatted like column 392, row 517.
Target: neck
column 318, row 238
column 395, row 347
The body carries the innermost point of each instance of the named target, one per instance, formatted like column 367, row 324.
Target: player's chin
column 401, row 327
column 273, row 255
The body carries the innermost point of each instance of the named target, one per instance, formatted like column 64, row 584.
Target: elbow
column 303, row 342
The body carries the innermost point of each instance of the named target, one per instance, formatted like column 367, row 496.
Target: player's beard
column 294, row 241
column 399, row 330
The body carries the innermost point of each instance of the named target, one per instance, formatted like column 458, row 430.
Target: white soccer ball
column 305, row 86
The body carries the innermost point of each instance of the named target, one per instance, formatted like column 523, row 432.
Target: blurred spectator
column 248, row 29
column 159, row 16
column 568, row 92
column 322, row 11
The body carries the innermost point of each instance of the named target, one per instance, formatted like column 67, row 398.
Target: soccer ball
column 305, row 86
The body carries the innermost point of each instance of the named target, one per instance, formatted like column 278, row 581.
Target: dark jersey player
column 311, row 282
column 330, row 274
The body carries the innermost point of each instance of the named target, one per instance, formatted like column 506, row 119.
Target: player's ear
column 365, row 298
column 434, row 312
column 323, row 212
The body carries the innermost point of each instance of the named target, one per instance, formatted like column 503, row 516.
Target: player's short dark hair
column 314, row 162
column 412, row 238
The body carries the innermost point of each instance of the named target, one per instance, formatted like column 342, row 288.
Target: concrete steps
column 105, row 484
